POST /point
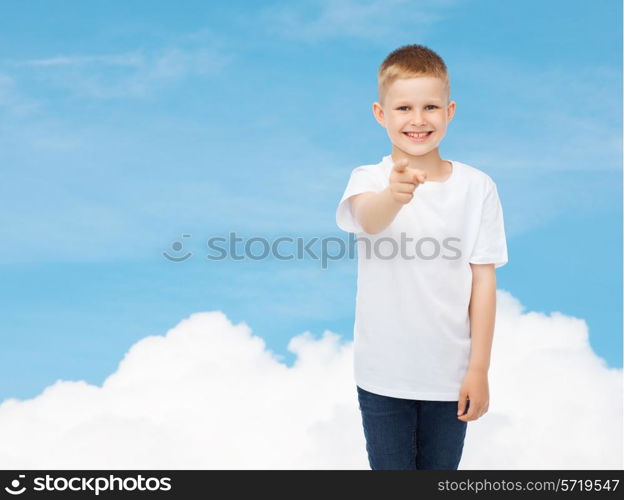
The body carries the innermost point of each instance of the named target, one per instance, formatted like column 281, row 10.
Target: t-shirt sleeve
column 491, row 244
column 361, row 181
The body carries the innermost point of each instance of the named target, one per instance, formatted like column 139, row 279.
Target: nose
column 418, row 119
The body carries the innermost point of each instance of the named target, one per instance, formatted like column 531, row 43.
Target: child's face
column 413, row 105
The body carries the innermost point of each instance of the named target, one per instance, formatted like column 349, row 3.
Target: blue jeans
column 408, row 434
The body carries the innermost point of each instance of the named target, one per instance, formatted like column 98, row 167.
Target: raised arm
column 375, row 211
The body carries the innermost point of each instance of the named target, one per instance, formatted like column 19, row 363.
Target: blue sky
column 125, row 125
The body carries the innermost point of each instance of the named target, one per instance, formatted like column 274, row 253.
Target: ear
column 450, row 111
column 379, row 114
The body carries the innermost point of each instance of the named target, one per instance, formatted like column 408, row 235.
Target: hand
column 404, row 180
column 475, row 388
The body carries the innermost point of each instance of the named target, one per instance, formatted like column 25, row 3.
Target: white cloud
column 130, row 59
column 368, row 20
column 210, row 395
column 12, row 100
column 131, row 74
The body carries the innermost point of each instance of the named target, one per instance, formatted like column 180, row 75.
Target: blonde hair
column 410, row 61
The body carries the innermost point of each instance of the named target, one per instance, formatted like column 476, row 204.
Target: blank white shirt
column 412, row 328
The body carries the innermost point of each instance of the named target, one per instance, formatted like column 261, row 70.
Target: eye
column 428, row 106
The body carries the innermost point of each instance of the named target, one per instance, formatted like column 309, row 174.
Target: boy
column 433, row 235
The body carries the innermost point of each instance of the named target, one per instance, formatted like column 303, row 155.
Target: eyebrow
column 431, row 99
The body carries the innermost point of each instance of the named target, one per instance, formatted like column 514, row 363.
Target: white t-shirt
column 412, row 326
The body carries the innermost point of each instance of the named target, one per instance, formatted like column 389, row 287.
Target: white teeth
column 417, row 135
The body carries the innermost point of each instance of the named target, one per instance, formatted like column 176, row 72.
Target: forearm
column 377, row 211
column 482, row 312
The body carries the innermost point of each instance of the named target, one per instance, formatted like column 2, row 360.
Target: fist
column 404, row 180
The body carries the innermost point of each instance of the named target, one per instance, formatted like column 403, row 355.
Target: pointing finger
column 401, row 165
column 419, row 177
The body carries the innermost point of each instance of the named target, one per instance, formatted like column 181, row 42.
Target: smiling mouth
column 417, row 139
